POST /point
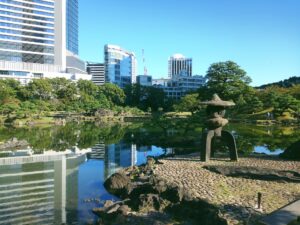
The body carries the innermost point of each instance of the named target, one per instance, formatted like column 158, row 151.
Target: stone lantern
column 214, row 124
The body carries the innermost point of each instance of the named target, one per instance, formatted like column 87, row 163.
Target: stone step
column 283, row 216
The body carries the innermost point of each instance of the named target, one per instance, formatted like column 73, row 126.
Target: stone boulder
column 292, row 152
column 138, row 188
column 148, row 202
column 160, row 185
column 14, row 143
column 113, row 211
column 145, row 193
column 197, row 212
column 173, row 193
column 104, row 113
column 118, row 184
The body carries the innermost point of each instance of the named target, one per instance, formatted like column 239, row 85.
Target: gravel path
column 236, row 197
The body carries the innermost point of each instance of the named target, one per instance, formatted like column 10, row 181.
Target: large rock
column 173, row 193
column 148, row 202
column 104, row 113
column 14, row 143
column 147, row 193
column 160, row 185
column 139, row 188
column 113, row 212
column 292, row 152
column 197, row 212
column 118, row 184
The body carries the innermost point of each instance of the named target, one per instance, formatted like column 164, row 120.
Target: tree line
column 227, row 79
column 231, row 82
column 41, row 96
column 58, row 94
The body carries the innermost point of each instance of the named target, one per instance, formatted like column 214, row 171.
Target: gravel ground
column 236, row 197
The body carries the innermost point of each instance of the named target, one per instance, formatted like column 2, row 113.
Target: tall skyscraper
column 39, row 38
column 120, row 66
column 180, row 66
column 72, row 26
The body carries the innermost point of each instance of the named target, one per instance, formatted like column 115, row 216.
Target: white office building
column 120, row 66
column 179, row 86
column 39, row 38
column 179, row 65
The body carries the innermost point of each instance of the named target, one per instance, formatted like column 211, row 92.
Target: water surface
column 59, row 177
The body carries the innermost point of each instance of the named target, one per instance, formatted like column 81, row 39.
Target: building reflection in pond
column 118, row 156
column 57, row 188
column 36, row 193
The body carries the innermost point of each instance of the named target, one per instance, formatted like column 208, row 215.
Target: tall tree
column 87, row 87
column 188, row 103
column 152, row 97
column 6, row 89
column 113, row 93
column 39, row 89
column 9, row 106
column 295, row 91
column 63, row 88
column 227, row 79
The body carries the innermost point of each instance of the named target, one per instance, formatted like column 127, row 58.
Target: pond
column 59, row 177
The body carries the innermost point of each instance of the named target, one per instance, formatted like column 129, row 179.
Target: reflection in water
column 265, row 150
column 36, row 193
column 62, row 188
column 42, row 186
column 118, row 156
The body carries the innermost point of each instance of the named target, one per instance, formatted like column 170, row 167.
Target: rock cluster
column 145, row 194
column 236, row 197
column 182, row 190
column 14, row 143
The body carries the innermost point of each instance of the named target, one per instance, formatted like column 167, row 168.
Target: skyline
column 261, row 37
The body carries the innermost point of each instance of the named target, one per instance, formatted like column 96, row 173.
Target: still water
column 58, row 178
column 62, row 188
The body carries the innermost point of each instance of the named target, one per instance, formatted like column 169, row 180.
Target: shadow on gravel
column 256, row 173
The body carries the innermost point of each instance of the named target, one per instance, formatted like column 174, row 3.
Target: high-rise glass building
column 180, row 66
column 38, row 38
column 27, row 31
column 120, row 66
column 72, row 26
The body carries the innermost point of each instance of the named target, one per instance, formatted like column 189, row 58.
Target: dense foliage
column 231, row 82
column 147, row 98
column 58, row 94
column 290, row 82
column 227, row 79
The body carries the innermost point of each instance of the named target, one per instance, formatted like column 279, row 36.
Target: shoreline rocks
column 145, row 193
column 14, row 143
column 181, row 190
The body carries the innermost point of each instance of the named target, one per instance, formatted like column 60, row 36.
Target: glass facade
column 120, row 66
column 27, row 31
column 72, row 26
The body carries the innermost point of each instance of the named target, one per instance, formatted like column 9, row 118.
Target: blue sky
column 262, row 36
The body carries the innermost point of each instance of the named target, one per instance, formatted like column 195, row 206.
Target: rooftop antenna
column 145, row 68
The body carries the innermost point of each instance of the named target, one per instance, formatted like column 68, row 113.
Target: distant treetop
column 283, row 83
